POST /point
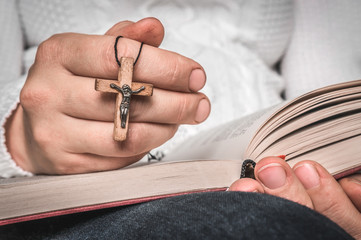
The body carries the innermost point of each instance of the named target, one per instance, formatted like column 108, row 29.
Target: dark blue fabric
column 219, row 215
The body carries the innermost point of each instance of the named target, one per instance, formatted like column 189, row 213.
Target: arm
column 139, row 90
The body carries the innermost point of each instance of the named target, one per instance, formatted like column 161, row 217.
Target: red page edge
column 96, row 207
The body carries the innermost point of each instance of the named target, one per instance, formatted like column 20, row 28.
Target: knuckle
column 179, row 72
column 331, row 208
column 131, row 146
column 34, row 98
column 175, row 67
column 50, row 48
column 59, row 163
column 63, row 168
column 182, row 115
column 108, row 58
column 72, row 164
column 42, row 137
column 331, row 204
column 136, row 143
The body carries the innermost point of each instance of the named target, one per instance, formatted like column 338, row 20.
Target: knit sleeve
column 9, row 96
column 11, row 51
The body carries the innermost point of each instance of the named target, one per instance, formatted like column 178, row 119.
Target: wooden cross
column 124, row 89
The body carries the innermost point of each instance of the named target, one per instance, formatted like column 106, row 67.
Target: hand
column 64, row 126
column 309, row 184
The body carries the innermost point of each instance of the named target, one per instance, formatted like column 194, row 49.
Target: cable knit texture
column 238, row 42
column 325, row 47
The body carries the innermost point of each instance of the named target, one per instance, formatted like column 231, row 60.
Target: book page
column 227, row 141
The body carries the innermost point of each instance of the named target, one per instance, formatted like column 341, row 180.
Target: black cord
column 116, row 51
column 140, row 50
column 247, row 170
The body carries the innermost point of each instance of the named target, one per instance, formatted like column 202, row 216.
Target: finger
column 93, row 56
column 278, row 179
column 328, row 197
column 83, row 163
column 246, row 185
column 55, row 142
column 163, row 107
column 97, row 137
column 351, row 185
column 148, row 30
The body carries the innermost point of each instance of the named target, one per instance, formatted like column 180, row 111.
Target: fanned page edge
column 301, row 98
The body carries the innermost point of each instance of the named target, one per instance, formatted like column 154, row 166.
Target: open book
column 323, row 125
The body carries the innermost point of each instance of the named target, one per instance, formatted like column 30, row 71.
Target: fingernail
column 308, row 175
column 197, row 80
column 272, row 175
column 203, row 110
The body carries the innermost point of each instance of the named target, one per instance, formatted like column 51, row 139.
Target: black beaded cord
column 247, row 170
column 116, row 51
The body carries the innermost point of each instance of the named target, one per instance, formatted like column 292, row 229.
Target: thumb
column 148, row 30
column 328, row 197
column 246, row 185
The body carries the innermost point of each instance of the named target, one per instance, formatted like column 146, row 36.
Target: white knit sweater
column 237, row 41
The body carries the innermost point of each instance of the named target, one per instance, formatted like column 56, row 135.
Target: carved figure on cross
column 124, row 88
column 127, row 92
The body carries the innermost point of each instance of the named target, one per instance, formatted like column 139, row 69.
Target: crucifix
column 124, row 88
